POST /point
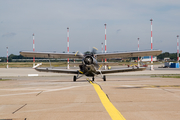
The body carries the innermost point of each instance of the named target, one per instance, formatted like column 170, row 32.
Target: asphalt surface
column 21, row 72
column 136, row 95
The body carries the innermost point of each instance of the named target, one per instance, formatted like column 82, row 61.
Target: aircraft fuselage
column 89, row 66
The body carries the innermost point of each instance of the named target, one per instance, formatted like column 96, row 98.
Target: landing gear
column 74, row 78
column 104, row 78
column 93, row 78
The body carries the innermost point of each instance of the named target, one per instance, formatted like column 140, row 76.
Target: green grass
column 30, row 64
column 170, row 76
column 4, row 79
column 167, row 76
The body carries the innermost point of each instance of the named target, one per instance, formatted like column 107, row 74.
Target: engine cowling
column 88, row 60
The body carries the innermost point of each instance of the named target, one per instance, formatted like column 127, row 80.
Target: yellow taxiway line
column 113, row 112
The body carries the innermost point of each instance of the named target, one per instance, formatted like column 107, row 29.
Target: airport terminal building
column 148, row 58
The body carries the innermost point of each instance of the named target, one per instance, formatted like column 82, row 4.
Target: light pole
column 33, row 51
column 105, row 45
column 177, row 48
column 151, row 46
column 68, row 46
column 7, row 57
column 138, row 50
column 102, row 49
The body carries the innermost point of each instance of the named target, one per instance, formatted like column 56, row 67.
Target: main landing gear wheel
column 104, row 78
column 93, row 79
column 74, row 78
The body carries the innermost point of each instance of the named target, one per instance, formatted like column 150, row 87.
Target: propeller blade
column 94, row 50
column 79, row 54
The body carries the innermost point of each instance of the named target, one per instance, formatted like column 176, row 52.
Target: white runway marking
column 48, row 90
column 127, row 86
column 33, row 74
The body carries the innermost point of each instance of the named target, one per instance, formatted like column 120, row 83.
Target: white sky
column 126, row 21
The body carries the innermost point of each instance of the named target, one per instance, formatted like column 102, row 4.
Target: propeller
column 94, row 50
column 79, row 54
column 88, row 60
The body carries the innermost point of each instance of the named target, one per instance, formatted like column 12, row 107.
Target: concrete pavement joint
column 44, row 91
column 19, row 108
column 39, row 93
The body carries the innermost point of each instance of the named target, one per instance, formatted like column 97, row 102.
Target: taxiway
column 55, row 96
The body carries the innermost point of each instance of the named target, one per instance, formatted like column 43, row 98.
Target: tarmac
column 22, row 72
column 26, row 94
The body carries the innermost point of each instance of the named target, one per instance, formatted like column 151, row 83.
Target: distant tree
column 134, row 58
column 166, row 54
column 87, row 52
column 173, row 56
column 20, row 57
column 3, row 59
column 12, row 56
column 163, row 55
column 9, row 59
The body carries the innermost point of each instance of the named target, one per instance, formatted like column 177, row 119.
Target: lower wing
column 120, row 70
column 55, row 70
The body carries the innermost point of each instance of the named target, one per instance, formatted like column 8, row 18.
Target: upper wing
column 99, row 56
column 49, row 55
column 120, row 70
column 55, row 70
column 128, row 54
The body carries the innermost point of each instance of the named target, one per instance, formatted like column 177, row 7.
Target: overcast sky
column 126, row 21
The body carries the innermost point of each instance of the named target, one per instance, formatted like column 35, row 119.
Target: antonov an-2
column 90, row 67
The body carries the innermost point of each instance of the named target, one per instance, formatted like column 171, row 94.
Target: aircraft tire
column 93, row 79
column 104, row 78
column 74, row 78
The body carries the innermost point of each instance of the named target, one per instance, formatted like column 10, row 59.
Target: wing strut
column 50, row 63
column 100, row 73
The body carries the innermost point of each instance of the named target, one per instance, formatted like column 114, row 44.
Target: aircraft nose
column 89, row 68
